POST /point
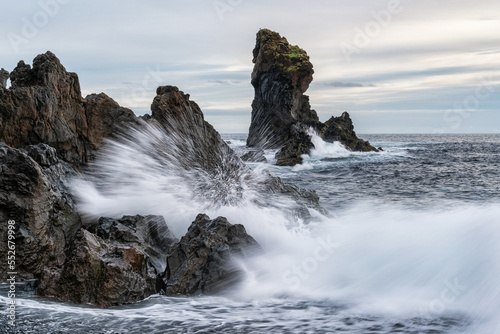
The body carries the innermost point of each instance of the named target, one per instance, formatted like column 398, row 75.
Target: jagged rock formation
column 45, row 105
column 33, row 195
column 281, row 113
column 200, row 263
column 176, row 113
column 201, row 150
column 49, row 131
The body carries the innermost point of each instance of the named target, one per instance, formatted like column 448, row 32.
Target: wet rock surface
column 148, row 234
column 103, row 273
column 35, row 197
column 201, row 262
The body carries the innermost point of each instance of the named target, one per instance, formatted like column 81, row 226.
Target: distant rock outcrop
column 200, row 263
column 44, row 105
column 281, row 113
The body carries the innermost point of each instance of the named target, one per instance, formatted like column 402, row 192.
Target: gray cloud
column 347, row 84
column 189, row 45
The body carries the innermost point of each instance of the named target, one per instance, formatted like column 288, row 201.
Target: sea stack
column 281, row 113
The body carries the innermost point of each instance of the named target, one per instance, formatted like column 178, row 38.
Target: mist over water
column 392, row 255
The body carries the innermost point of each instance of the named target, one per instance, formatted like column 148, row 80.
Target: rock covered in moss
column 281, row 113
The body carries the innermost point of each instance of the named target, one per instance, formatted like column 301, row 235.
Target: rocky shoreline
column 50, row 135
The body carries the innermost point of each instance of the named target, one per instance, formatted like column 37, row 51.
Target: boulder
column 147, row 234
column 281, row 113
column 103, row 274
column 202, row 261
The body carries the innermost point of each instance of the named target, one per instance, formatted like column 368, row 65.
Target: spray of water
column 373, row 258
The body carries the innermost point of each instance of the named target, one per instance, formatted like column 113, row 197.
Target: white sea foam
column 377, row 259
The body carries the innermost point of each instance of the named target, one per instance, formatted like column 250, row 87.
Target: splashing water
column 383, row 260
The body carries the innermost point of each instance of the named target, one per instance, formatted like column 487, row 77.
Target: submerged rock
column 281, row 113
column 201, row 262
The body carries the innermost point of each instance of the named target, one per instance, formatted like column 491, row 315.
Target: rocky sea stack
column 281, row 113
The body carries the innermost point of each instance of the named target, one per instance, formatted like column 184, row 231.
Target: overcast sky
column 397, row 66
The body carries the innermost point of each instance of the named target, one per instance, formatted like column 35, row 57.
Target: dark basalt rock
column 254, row 156
column 148, row 234
column 341, row 129
column 35, row 197
column 281, row 113
column 200, row 263
column 50, row 131
column 282, row 73
column 45, row 105
column 299, row 143
column 103, row 273
column 4, row 76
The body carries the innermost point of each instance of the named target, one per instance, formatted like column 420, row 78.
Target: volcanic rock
column 103, row 274
column 148, row 234
column 4, row 76
column 341, row 129
column 45, row 105
column 281, row 113
column 35, row 198
column 254, row 156
column 201, row 262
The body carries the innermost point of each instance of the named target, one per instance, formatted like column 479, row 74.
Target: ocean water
column 411, row 243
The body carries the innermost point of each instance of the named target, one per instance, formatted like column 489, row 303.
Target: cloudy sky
column 398, row 66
